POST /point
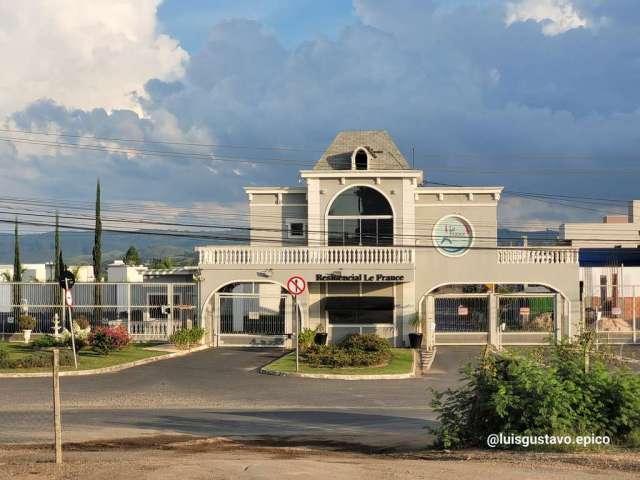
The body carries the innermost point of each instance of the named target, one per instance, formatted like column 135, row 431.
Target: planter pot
column 27, row 335
column 320, row 338
column 415, row 340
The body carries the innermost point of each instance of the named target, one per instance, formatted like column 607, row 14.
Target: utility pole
column 57, row 419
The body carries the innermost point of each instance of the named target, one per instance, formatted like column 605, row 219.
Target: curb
column 113, row 369
column 331, row 376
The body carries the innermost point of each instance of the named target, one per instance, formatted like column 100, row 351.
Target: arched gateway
column 251, row 313
column 498, row 314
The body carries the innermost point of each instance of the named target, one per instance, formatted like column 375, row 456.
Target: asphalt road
column 220, row 393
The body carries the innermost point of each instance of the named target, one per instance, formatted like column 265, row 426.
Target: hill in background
column 76, row 246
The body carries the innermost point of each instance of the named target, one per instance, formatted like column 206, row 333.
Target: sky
column 539, row 96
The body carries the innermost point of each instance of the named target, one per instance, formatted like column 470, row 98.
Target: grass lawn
column 401, row 362
column 87, row 359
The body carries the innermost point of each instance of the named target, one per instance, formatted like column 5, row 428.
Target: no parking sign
column 296, row 285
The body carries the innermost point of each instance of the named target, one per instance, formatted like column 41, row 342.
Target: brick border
column 112, row 369
column 331, row 376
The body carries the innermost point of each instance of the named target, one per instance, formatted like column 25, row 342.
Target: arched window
column 361, row 160
column 360, row 216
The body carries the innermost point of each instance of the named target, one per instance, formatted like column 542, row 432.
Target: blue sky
column 293, row 21
column 535, row 95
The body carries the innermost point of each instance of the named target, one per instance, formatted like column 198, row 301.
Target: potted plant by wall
column 321, row 336
column 415, row 338
column 27, row 324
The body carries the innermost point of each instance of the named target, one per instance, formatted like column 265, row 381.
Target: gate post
column 289, row 315
column 129, row 309
column 430, row 331
column 633, row 309
column 170, row 316
column 558, row 318
column 494, row 333
column 215, row 319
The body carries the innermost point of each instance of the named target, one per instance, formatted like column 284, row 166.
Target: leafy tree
column 132, row 257
column 166, row 262
column 57, row 269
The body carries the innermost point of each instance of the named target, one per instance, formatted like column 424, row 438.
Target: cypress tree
column 61, row 263
column 97, row 241
column 97, row 257
column 17, row 265
column 58, row 266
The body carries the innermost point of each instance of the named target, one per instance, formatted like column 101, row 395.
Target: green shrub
column 4, row 357
column 46, row 341
column 187, row 337
column 306, row 338
column 354, row 351
column 35, row 360
column 27, row 322
column 527, row 394
column 368, row 342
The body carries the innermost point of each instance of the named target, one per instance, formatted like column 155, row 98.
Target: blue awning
column 608, row 257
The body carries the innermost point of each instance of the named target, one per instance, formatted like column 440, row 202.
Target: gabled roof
column 383, row 152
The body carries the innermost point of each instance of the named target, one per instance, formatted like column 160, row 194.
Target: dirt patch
column 179, row 456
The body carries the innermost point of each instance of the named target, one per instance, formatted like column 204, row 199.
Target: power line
column 162, row 142
column 155, row 153
column 239, row 216
column 250, row 229
column 199, row 235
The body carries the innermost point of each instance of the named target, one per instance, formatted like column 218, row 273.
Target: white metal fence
column 149, row 311
column 253, row 314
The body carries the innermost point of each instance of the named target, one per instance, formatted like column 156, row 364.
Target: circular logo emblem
column 453, row 235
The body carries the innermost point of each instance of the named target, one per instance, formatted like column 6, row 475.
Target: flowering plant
column 106, row 339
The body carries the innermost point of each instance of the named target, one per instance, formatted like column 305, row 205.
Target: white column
column 430, row 321
column 408, row 310
column 407, row 230
column 170, row 316
column 315, row 216
column 494, row 329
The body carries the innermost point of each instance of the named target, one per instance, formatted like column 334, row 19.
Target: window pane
column 297, row 229
column 335, row 233
column 351, row 232
column 375, row 316
column 343, row 316
column 385, row 232
column 361, row 160
column 369, row 232
column 360, row 201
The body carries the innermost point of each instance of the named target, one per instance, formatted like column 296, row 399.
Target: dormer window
column 360, row 159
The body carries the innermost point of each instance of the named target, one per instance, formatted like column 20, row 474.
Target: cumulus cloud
column 557, row 16
column 82, row 54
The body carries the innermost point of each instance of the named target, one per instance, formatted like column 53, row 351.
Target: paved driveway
column 220, row 392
